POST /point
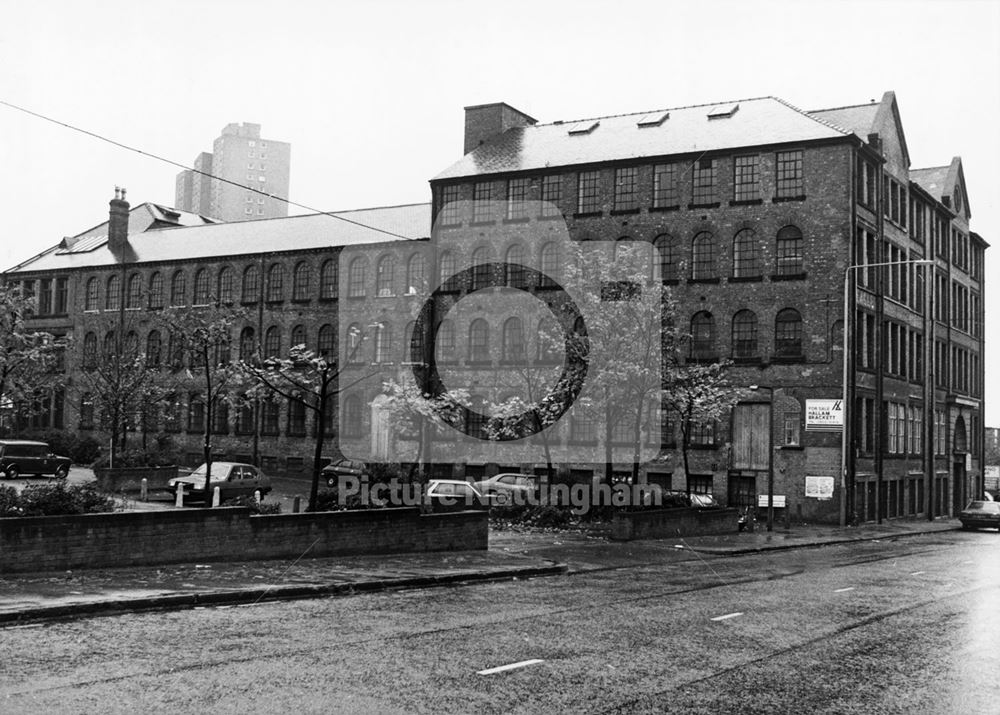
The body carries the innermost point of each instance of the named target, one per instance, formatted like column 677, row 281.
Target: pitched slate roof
column 151, row 242
column 755, row 122
column 933, row 180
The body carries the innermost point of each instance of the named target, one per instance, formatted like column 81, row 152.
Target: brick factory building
column 760, row 212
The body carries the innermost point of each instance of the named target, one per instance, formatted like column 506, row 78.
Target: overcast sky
column 370, row 94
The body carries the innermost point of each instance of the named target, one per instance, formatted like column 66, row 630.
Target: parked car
column 453, row 495
column 19, row 456
column 980, row 514
column 336, row 469
column 509, row 488
column 233, row 479
column 654, row 494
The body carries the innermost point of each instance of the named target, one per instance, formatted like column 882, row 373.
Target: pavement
column 513, row 554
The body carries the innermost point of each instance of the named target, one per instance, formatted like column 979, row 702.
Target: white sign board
column 779, row 500
column 992, row 475
column 819, row 487
column 825, row 415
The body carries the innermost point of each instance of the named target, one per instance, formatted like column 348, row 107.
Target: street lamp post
column 845, row 434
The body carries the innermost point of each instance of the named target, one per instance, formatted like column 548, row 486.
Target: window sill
column 482, row 223
column 589, row 214
column 519, row 219
column 671, row 282
column 703, row 448
column 625, row 212
column 785, row 199
column 791, row 447
column 747, row 202
column 787, row 359
column 745, row 279
column 754, row 360
column 775, row 277
column 707, row 360
column 329, row 299
column 703, row 280
column 713, row 205
column 552, row 217
column 663, row 209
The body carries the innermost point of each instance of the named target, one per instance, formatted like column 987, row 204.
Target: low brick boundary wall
column 47, row 543
column 682, row 521
column 129, row 479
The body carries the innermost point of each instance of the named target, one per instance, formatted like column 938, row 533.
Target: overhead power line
column 165, row 160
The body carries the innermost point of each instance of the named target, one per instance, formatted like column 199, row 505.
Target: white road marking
column 727, row 616
column 918, row 573
column 510, row 666
column 843, row 590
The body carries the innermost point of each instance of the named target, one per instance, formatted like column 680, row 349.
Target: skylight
column 653, row 120
column 723, row 111
column 583, row 127
column 84, row 245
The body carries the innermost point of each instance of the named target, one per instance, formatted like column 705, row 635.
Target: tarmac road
column 905, row 626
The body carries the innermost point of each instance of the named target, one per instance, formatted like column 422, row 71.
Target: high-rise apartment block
column 245, row 177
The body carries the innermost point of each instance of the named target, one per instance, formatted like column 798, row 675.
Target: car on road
column 980, row 515
column 21, row 456
column 341, row 468
column 453, row 495
column 234, row 479
column 508, row 488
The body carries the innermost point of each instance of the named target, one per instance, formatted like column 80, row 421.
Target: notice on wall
column 819, row 487
column 825, row 415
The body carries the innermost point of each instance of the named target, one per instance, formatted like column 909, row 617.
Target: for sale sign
column 825, row 415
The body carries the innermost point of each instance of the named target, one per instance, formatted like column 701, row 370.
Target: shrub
column 84, row 450
column 10, row 502
column 57, row 499
column 255, row 507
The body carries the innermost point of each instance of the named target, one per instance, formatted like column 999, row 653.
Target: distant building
column 252, row 164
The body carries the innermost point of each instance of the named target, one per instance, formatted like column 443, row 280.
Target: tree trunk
column 318, row 451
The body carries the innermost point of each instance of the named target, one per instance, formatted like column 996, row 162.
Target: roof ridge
column 846, row 106
column 649, row 111
column 930, row 168
column 818, row 120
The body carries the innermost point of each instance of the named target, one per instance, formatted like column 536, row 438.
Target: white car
column 453, row 495
column 509, row 488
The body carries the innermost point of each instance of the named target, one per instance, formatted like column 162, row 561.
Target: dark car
column 342, row 468
column 18, row 456
column 234, row 479
column 980, row 514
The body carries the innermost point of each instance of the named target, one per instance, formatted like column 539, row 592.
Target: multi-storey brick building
column 761, row 214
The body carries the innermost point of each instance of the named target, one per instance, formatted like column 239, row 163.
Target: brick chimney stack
column 486, row 121
column 118, row 223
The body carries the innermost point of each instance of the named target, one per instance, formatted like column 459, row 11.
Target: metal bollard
column 179, row 501
column 144, row 489
column 296, row 505
column 256, row 495
column 216, row 497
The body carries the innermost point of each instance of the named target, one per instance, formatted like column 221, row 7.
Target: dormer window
column 723, row 111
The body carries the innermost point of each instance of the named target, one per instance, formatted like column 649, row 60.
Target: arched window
column 110, row 345
column 788, row 334
column 513, row 340
column 353, row 341
column 113, row 294
column 133, row 293
column 446, row 267
column 476, row 418
column 301, row 281
column 225, row 285
column 383, row 341
column 178, row 289
column 515, row 276
column 328, row 280
column 251, row 285
column 788, row 252
column 703, row 256
column 175, row 350
column 385, row 274
column 745, row 334
column 298, row 336
column 961, row 439
column 351, row 424
column 272, row 342
column 356, row 278
column 837, row 340
column 87, row 411
column 326, row 346
column 479, row 341
column 156, row 291
column 89, row 351
column 296, row 419
column 276, row 283
column 444, row 342
column 91, row 301
column 131, row 345
column 413, row 344
column 481, row 268
column 746, row 255
column 549, row 349
column 154, row 348
column 668, row 250
column 220, row 416
column 201, row 287
column 223, row 350
column 549, row 260
column 703, row 336
column 248, row 344
column 415, row 274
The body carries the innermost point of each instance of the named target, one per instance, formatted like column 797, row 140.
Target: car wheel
column 500, row 499
column 12, row 472
column 62, row 472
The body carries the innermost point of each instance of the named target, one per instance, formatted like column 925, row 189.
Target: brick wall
column 660, row 523
column 143, row 538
